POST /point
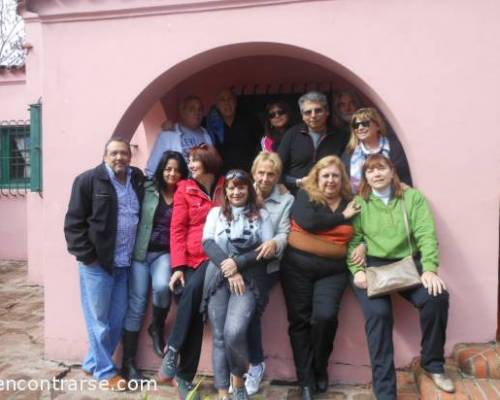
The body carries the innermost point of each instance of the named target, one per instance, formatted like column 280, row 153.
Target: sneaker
column 117, row 384
column 254, row 378
column 168, row 366
column 443, row 382
column 239, row 393
column 184, row 388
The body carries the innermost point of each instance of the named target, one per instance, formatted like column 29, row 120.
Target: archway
column 258, row 69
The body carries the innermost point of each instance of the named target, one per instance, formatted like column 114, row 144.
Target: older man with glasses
column 310, row 141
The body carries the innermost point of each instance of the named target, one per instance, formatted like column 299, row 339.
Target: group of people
column 217, row 224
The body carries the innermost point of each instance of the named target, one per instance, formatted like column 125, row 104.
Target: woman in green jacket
column 381, row 226
column 152, row 260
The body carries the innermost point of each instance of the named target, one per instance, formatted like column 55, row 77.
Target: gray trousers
column 229, row 316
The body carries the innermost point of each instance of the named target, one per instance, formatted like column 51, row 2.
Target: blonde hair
column 268, row 156
column 311, row 182
column 367, row 113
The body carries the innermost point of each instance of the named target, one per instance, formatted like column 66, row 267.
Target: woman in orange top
column 313, row 269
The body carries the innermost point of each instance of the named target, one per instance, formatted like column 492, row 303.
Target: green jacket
column 149, row 205
column 382, row 229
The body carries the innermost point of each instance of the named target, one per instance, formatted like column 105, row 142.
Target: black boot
column 129, row 369
column 306, row 393
column 156, row 329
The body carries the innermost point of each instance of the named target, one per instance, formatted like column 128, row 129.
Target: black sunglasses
column 357, row 124
column 274, row 114
column 236, row 174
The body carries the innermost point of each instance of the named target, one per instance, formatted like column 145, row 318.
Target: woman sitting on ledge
column 381, row 225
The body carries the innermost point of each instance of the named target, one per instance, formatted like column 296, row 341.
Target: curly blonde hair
column 311, row 181
column 363, row 114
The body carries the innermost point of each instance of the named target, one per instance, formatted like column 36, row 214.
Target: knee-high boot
column 129, row 369
column 156, row 329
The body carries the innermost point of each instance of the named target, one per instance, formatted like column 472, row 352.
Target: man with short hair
column 235, row 133
column 184, row 136
column 100, row 229
column 304, row 144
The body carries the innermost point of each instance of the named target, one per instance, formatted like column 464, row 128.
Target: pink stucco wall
column 435, row 82
column 13, row 110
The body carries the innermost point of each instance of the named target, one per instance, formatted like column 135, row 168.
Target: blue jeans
column 104, row 302
column 230, row 316
column 158, row 266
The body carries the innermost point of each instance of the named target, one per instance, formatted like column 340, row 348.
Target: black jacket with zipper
column 298, row 154
column 91, row 220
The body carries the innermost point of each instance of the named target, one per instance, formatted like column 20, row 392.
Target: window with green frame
column 15, row 155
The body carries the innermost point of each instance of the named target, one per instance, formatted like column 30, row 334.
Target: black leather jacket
column 91, row 220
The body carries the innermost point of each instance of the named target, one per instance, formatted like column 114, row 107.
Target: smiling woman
column 369, row 135
column 313, row 271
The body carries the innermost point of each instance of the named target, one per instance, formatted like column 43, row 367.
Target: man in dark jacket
column 100, row 228
column 235, row 133
column 306, row 143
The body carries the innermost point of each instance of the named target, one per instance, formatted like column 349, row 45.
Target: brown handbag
column 396, row 276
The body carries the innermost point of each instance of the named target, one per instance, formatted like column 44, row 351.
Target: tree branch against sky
column 11, row 34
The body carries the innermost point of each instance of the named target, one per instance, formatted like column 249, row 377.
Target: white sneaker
column 254, row 378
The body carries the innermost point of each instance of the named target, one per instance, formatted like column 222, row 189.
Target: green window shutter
column 36, row 147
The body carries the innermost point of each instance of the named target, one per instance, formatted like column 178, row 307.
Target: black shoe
column 129, row 370
column 306, row 393
column 155, row 330
column 322, row 382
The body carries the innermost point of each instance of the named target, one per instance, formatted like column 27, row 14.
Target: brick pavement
column 21, row 357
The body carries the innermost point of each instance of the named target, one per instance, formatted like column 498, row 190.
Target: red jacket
column 191, row 207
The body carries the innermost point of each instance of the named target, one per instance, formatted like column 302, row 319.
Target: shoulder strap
column 407, row 224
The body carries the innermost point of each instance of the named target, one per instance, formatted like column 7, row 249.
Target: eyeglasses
column 274, row 114
column 236, row 174
column 357, row 124
column 317, row 111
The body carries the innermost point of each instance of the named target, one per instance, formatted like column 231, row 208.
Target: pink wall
column 13, row 110
column 436, row 82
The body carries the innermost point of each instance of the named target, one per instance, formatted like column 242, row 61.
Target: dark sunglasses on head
column 236, row 174
column 274, row 114
column 357, row 124
column 317, row 111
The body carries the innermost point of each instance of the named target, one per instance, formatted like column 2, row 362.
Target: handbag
column 396, row 276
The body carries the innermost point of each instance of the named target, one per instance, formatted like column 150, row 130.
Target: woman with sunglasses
column 394, row 223
column 152, row 260
column 278, row 119
column 369, row 136
column 313, row 270
column 234, row 278
column 192, row 201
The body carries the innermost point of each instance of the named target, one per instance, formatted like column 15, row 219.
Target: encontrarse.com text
column 69, row 385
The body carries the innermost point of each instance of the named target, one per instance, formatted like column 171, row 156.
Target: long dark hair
column 269, row 130
column 158, row 175
column 240, row 177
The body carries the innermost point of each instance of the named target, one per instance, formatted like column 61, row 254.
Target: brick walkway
column 21, row 358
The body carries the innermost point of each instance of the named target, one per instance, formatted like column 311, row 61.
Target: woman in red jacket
column 192, row 201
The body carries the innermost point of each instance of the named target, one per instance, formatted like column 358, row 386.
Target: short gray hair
column 313, row 96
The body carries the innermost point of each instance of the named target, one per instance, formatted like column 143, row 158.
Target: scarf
column 359, row 157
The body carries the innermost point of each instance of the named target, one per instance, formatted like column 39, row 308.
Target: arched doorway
column 259, row 69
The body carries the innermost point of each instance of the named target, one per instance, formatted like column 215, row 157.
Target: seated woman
column 278, row 120
column 192, row 201
column 313, row 269
column 234, row 277
column 369, row 136
column 152, row 260
column 381, row 225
